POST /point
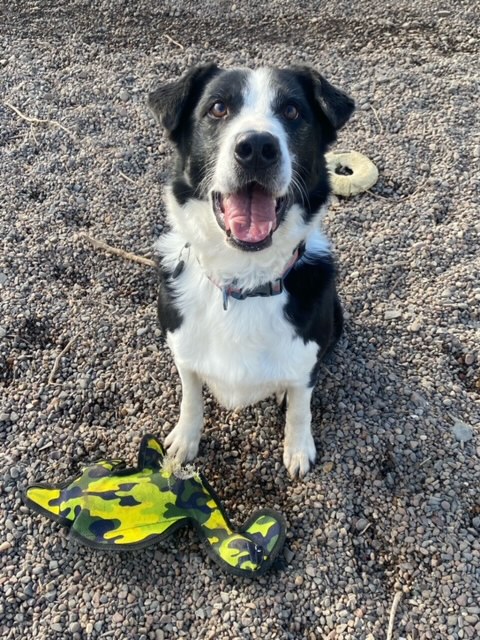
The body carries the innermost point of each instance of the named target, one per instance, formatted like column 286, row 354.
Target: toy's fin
column 99, row 469
column 44, row 499
column 267, row 529
column 253, row 549
column 58, row 502
column 249, row 551
column 151, row 453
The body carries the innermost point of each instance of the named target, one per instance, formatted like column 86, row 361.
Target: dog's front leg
column 299, row 448
column 183, row 440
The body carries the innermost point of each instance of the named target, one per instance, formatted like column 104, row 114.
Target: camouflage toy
column 109, row 506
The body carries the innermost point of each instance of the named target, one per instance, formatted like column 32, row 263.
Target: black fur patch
column 312, row 133
column 313, row 306
column 169, row 318
column 182, row 191
column 206, row 132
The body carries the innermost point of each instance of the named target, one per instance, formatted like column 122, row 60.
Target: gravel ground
column 392, row 505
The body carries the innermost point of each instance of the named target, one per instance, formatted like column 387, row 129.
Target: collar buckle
column 276, row 287
column 271, row 288
column 225, row 294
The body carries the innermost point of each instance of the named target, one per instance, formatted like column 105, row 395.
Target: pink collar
column 270, row 288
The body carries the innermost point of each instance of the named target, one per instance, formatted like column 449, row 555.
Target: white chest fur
column 244, row 353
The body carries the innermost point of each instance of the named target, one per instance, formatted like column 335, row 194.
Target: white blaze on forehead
column 256, row 114
column 258, row 93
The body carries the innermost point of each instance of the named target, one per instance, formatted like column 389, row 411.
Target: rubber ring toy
column 350, row 172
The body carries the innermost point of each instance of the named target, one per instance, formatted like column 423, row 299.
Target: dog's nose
column 254, row 150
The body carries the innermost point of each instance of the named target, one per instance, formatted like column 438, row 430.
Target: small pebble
column 328, row 467
column 361, row 523
column 463, row 432
column 288, row 553
column 415, row 326
column 392, row 314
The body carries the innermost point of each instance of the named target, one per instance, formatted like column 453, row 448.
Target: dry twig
column 99, row 244
column 393, row 611
column 425, row 461
column 33, row 120
column 127, row 178
column 378, row 119
column 330, row 373
column 174, row 42
column 56, row 364
column 365, row 529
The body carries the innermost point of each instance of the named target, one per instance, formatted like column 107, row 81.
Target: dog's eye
column 291, row 112
column 218, row 110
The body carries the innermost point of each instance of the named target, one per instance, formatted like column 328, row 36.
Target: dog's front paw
column 297, row 456
column 182, row 443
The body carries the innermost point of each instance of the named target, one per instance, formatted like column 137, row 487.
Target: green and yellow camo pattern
column 109, row 506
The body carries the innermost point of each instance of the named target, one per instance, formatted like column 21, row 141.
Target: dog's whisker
column 207, row 180
column 298, row 184
column 300, row 179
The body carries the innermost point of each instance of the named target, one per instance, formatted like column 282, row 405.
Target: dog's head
column 252, row 144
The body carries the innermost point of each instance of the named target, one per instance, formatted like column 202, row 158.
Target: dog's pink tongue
column 249, row 214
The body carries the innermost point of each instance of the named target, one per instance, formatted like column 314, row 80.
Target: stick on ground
column 127, row 178
column 180, row 46
column 99, row 244
column 33, row 120
column 377, row 118
column 393, row 611
column 56, row 364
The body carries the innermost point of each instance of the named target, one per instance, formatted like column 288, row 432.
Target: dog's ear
column 335, row 106
column 172, row 103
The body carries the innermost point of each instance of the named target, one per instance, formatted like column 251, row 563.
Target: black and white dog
column 247, row 296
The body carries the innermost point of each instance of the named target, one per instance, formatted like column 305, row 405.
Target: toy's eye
column 218, row 110
column 291, row 112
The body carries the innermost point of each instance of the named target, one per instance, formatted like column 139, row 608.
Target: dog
column 247, row 298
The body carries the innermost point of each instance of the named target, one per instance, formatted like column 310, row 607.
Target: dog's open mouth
column 249, row 216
